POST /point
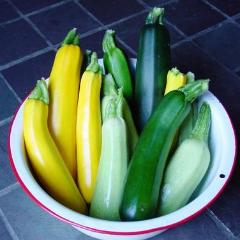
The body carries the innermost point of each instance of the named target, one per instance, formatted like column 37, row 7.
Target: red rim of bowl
column 117, row 232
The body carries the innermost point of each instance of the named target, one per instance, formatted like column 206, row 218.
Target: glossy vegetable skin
column 141, row 192
column 153, row 63
column 63, row 91
column 188, row 166
column 45, row 158
column 115, row 63
column 175, row 80
column 113, row 163
column 89, row 128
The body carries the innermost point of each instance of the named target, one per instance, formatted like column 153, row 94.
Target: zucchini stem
column 155, row 15
column 40, row 92
column 109, row 85
column 115, row 106
column 111, row 109
column 108, row 41
column 94, row 65
column 202, row 126
column 69, row 37
column 76, row 40
column 194, row 89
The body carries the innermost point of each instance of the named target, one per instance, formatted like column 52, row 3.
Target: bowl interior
column 222, row 147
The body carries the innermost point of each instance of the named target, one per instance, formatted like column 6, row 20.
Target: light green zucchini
column 113, row 163
column 188, row 166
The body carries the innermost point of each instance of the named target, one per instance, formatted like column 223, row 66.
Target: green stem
column 114, row 107
column 40, row 92
column 194, row 89
column 155, row 15
column 109, row 85
column 69, row 37
column 94, row 65
column 76, row 40
column 111, row 110
column 202, row 126
column 108, row 41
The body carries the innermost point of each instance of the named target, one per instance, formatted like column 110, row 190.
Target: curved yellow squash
column 89, row 129
column 46, row 161
column 63, row 90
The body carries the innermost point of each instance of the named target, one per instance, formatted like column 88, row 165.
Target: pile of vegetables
column 104, row 144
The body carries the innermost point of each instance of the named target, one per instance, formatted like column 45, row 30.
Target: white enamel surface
column 222, row 146
column 126, row 237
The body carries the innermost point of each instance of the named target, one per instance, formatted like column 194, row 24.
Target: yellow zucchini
column 45, row 158
column 89, row 128
column 63, row 90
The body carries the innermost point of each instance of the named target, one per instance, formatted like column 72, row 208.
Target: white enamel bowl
column 223, row 151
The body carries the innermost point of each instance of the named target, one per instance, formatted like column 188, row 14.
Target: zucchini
column 64, row 82
column 153, row 63
column 187, row 166
column 89, row 125
column 175, row 80
column 116, row 63
column 141, row 192
column 113, row 163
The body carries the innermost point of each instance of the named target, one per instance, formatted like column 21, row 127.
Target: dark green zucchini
column 153, row 63
column 141, row 192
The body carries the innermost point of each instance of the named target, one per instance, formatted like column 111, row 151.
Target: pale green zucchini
column 188, row 165
column 113, row 163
